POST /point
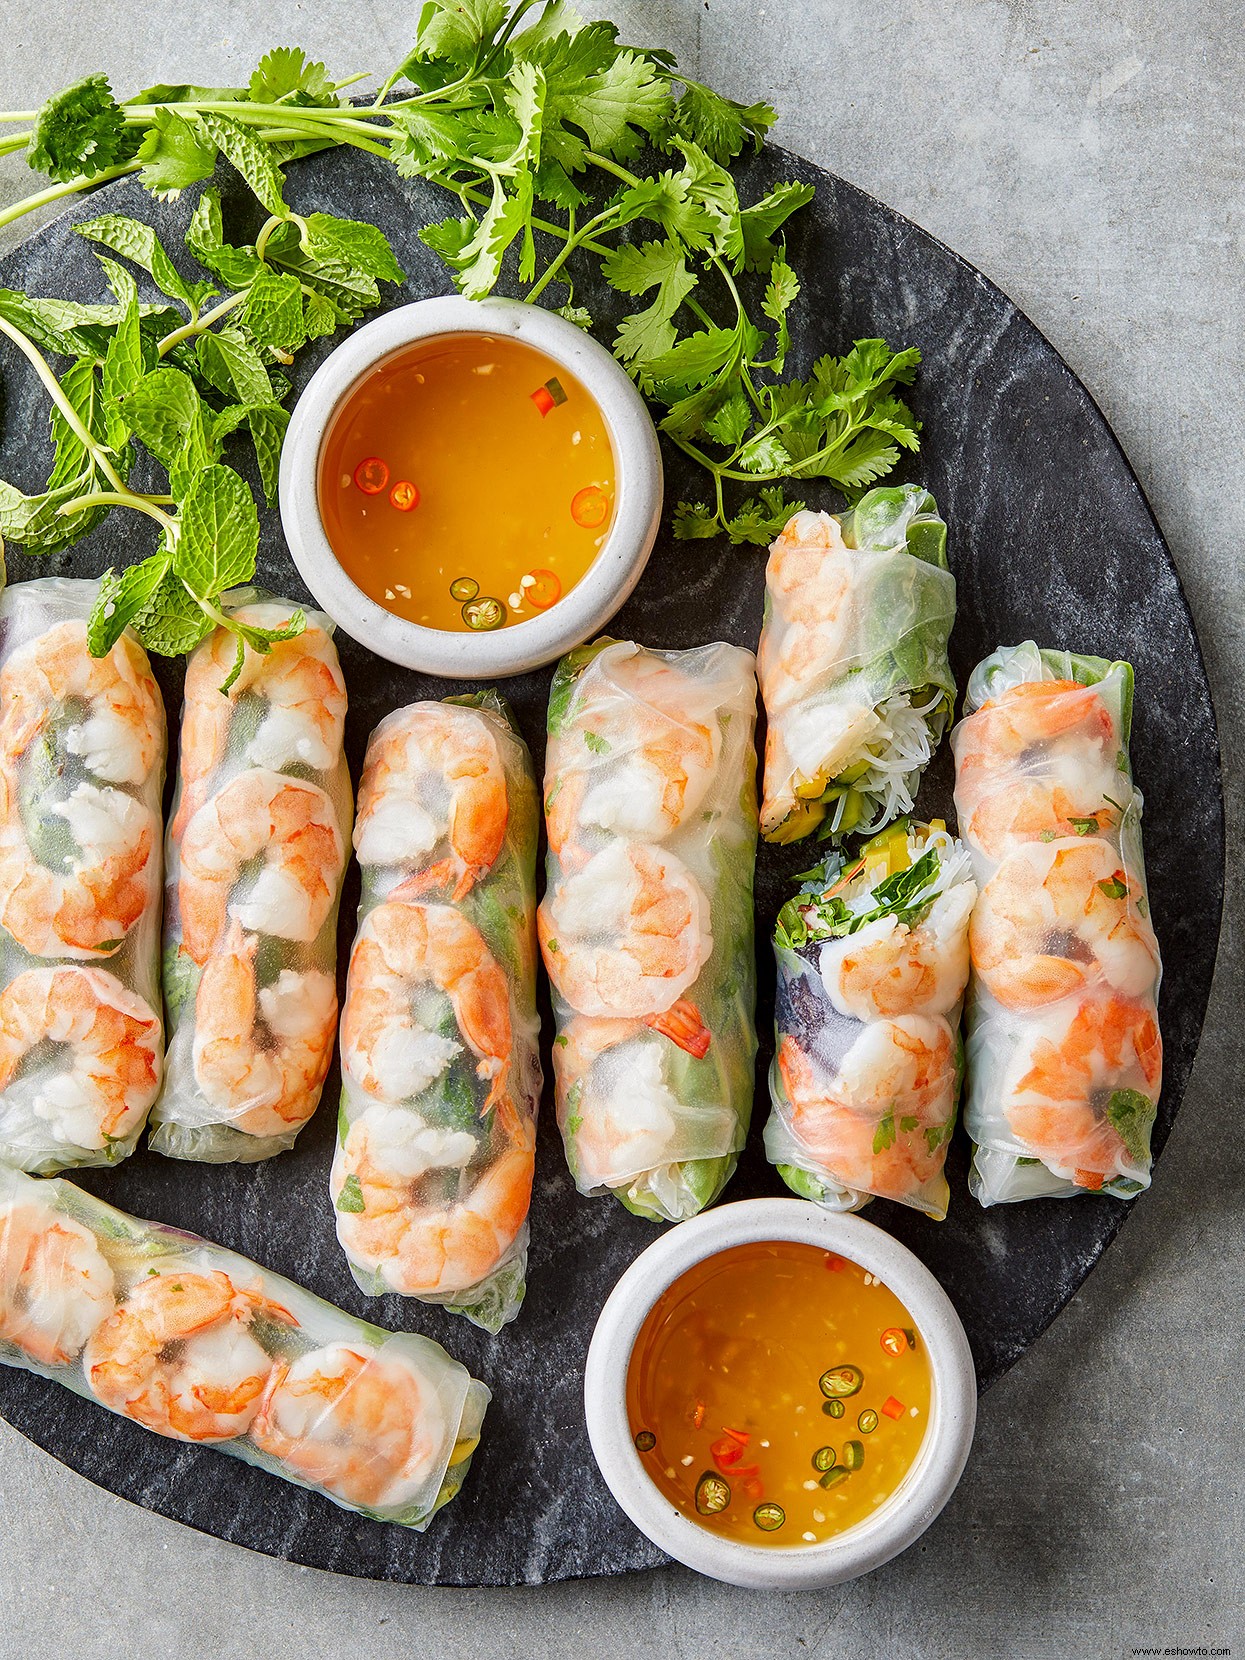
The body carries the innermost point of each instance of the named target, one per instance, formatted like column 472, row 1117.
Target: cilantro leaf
column 81, row 131
column 718, row 125
column 174, row 154
column 285, row 75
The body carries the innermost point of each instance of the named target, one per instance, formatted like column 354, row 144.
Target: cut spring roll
column 441, row 1076
column 853, row 664
column 82, row 751
column 257, row 847
column 647, row 924
column 872, row 963
column 199, row 1344
column 1064, row 1052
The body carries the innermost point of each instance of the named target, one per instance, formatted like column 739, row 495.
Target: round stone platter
column 1050, row 538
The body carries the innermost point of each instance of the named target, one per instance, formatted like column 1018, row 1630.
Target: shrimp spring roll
column 200, row 1345
column 853, row 664
column 82, row 750
column 647, row 923
column 1064, row 1053
column 257, row 848
column 872, row 963
column 440, row 1068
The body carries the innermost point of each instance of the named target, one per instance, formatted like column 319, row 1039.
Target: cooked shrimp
column 392, row 1046
column 627, row 934
column 879, row 1124
column 119, row 736
column 639, row 756
column 299, row 681
column 107, row 1055
column 1036, row 760
column 86, row 908
column 1071, row 1076
column 179, row 1357
column 263, row 1087
column 889, row 968
column 55, row 1284
column 430, row 1225
column 357, row 1422
column 808, row 581
column 1058, row 917
column 612, row 1080
column 433, row 777
column 288, row 825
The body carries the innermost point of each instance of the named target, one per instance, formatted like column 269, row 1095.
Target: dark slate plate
column 1051, row 536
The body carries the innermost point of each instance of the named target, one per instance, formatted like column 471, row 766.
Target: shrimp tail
column 682, row 1024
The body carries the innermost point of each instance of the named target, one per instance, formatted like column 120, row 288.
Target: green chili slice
column 867, row 1422
column 853, row 1454
column 464, row 588
column 841, row 1380
column 769, row 1517
column 712, row 1494
column 645, row 1441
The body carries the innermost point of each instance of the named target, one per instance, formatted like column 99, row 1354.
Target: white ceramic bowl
column 579, row 614
column 924, row 1490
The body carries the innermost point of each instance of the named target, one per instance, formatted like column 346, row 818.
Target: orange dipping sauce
column 467, row 483
column 778, row 1395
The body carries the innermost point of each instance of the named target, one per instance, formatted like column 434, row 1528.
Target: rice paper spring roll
column 441, row 1075
column 872, row 961
column 647, row 922
column 82, row 752
column 1064, row 1050
column 201, row 1345
column 853, row 664
column 256, row 850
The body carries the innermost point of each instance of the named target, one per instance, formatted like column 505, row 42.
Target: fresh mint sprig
column 178, row 380
column 559, row 144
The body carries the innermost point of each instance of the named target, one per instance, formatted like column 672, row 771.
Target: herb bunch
column 560, row 144
column 819, row 912
column 178, row 379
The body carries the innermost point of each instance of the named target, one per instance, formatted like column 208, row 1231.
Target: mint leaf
column 139, row 243
column 172, row 622
column 236, row 267
column 123, row 361
column 219, row 534
column 350, row 1197
column 81, row 131
column 121, row 598
column 351, row 243
column 268, row 423
column 162, row 411
column 274, row 311
column 231, row 364
column 249, row 156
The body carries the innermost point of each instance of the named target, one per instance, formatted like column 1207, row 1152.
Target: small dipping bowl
column 923, row 1491
column 582, row 611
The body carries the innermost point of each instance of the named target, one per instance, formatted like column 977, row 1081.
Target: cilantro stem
column 71, row 187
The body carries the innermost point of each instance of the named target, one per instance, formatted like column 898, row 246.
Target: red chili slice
column 893, row 1408
column 404, row 496
column 372, row 475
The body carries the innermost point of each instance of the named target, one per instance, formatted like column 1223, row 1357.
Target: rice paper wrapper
column 647, row 925
column 382, row 1423
column 868, row 1062
column 1064, row 1053
column 256, row 851
column 82, row 756
column 441, row 1075
column 853, row 664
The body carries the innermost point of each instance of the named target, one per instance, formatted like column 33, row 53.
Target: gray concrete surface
column 1086, row 154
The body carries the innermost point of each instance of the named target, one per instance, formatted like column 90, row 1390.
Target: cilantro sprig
column 177, row 379
column 559, row 144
